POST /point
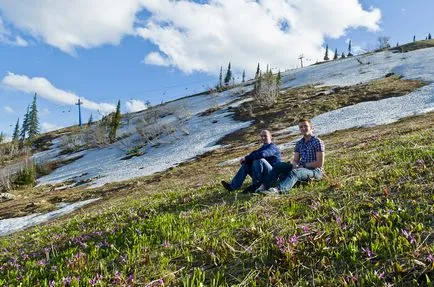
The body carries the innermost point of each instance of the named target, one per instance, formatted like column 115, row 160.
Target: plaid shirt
column 308, row 150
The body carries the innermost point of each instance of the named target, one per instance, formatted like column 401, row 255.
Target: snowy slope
column 105, row 165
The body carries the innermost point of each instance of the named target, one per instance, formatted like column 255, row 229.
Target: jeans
column 280, row 170
column 259, row 170
column 299, row 174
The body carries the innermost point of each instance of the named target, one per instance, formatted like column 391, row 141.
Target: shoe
column 270, row 191
column 251, row 188
column 227, row 185
column 260, row 188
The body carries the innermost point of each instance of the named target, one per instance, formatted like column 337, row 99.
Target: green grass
column 368, row 223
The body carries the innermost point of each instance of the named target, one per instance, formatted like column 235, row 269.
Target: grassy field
column 369, row 223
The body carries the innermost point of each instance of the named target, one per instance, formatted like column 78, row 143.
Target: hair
column 305, row 120
column 266, row 131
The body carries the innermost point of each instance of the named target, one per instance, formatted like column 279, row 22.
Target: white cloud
column 195, row 36
column 69, row 24
column 47, row 91
column 9, row 109
column 47, row 127
column 6, row 37
column 202, row 37
column 135, row 106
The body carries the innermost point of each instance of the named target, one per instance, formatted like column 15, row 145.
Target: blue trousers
column 259, row 171
column 289, row 176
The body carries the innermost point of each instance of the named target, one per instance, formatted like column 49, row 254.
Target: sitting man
column 257, row 164
column 307, row 163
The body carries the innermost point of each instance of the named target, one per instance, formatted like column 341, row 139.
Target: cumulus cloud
column 47, row 91
column 47, row 127
column 203, row 36
column 135, row 106
column 69, row 24
column 196, row 35
column 8, row 109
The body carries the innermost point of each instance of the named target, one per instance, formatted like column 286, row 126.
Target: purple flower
column 368, row 252
column 52, row 283
column 305, row 228
column 405, row 233
column 430, row 258
column 338, row 219
column 165, row 244
column 293, row 239
column 42, row 262
column 66, row 280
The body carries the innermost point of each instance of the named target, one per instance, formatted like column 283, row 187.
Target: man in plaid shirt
column 307, row 163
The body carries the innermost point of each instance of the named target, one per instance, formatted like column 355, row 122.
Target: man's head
column 305, row 127
column 266, row 136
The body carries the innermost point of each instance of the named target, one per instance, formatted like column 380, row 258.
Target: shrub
column 267, row 90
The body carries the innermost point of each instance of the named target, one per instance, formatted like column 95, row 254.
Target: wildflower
column 280, row 242
column 338, row 219
column 379, row 275
column 165, row 244
column 305, row 228
column 405, row 233
column 66, row 280
column 293, row 239
column 42, row 262
column 95, row 279
column 368, row 252
column 52, row 283
column 430, row 258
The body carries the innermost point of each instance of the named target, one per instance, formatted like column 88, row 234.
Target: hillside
column 162, row 218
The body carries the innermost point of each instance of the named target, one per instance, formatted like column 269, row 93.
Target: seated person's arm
column 319, row 161
column 296, row 159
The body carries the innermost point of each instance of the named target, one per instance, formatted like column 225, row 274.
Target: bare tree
column 383, row 42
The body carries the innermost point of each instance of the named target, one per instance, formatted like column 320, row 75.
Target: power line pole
column 79, row 112
column 301, row 59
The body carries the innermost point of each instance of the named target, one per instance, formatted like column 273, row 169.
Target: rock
column 6, row 196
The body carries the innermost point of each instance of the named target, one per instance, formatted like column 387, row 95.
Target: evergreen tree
column 90, row 121
column 33, row 120
column 16, row 134
column 2, row 137
column 429, row 36
column 244, row 76
column 343, row 55
column 326, row 56
column 228, row 76
column 25, row 125
column 335, row 57
column 221, row 77
column 116, row 121
column 349, row 50
column 278, row 78
column 414, row 38
column 397, row 44
column 258, row 71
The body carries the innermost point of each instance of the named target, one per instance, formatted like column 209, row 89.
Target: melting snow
column 11, row 225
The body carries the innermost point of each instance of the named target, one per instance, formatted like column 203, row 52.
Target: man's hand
column 242, row 160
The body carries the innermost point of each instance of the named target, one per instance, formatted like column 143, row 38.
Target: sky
column 153, row 51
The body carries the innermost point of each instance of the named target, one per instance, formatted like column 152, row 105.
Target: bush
column 267, row 90
column 25, row 176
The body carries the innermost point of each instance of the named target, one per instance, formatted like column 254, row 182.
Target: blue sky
column 158, row 50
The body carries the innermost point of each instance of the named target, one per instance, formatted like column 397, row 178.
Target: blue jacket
column 270, row 152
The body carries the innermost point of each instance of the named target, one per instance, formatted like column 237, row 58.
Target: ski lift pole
column 79, row 112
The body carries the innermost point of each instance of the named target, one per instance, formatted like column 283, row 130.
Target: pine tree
column 326, row 56
column 228, row 76
column 16, row 134
column 278, row 78
column 116, row 121
column 90, row 121
column 342, row 55
column 244, row 76
column 429, row 36
column 2, row 137
column 258, row 71
column 414, row 38
column 335, row 57
column 25, row 125
column 33, row 121
column 349, row 50
column 221, row 77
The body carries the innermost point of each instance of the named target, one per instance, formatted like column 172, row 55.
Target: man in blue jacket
column 258, row 164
